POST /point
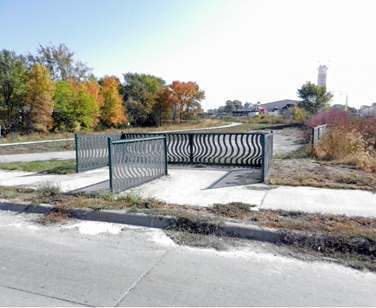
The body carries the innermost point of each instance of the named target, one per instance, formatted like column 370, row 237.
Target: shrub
column 331, row 117
column 299, row 114
column 347, row 146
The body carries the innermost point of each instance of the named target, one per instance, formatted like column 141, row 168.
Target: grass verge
column 46, row 167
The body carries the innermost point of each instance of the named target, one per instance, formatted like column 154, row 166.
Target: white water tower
column 321, row 76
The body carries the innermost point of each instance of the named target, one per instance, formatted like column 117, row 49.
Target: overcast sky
column 235, row 49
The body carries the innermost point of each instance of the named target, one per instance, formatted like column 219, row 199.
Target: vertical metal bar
column 165, row 153
column 263, row 171
column 109, row 143
column 190, row 148
column 77, row 142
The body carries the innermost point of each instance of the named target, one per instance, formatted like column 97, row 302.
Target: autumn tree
column 113, row 112
column 163, row 107
column 13, row 76
column 39, row 98
column 140, row 95
column 188, row 96
column 313, row 97
column 75, row 108
column 93, row 88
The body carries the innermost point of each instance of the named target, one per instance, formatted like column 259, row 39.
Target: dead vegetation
column 308, row 172
column 55, row 216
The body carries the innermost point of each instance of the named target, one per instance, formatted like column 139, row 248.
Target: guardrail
column 136, row 161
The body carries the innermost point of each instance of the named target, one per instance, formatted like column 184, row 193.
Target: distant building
column 321, row 76
column 368, row 111
column 279, row 106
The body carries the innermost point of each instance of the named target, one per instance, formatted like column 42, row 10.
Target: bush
column 331, row 117
column 346, row 145
column 299, row 115
column 267, row 119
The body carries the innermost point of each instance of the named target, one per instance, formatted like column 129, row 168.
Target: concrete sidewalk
column 102, row 264
column 204, row 187
column 191, row 187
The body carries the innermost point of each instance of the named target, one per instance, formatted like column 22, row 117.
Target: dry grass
column 308, row 172
column 348, row 147
column 56, row 216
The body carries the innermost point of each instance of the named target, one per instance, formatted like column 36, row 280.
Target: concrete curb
column 230, row 229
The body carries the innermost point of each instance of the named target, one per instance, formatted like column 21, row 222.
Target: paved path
column 100, row 264
column 194, row 187
column 10, row 158
column 286, row 140
column 204, row 187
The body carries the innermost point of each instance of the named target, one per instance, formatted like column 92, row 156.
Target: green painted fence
column 133, row 162
column 254, row 150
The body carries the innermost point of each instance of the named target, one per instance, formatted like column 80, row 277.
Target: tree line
column 51, row 91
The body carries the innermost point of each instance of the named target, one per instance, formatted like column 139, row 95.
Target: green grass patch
column 48, row 166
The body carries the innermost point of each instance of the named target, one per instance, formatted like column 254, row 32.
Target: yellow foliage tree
column 113, row 111
column 93, row 88
column 39, row 98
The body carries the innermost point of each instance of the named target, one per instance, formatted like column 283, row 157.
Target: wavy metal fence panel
column 136, row 161
column 317, row 133
column 92, row 151
column 234, row 149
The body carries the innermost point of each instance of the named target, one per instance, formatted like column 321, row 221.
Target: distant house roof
column 279, row 104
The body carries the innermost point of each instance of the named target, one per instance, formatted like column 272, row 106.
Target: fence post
column 263, row 157
column 165, row 152
column 190, row 148
column 77, row 144
column 109, row 142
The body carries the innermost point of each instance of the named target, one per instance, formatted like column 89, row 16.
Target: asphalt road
column 99, row 264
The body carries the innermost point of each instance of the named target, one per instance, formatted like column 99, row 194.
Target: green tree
column 313, row 97
column 39, row 94
column 233, row 105
column 61, row 63
column 13, row 78
column 140, row 95
column 75, row 108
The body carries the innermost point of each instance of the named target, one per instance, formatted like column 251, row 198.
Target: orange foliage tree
column 186, row 99
column 93, row 89
column 113, row 111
